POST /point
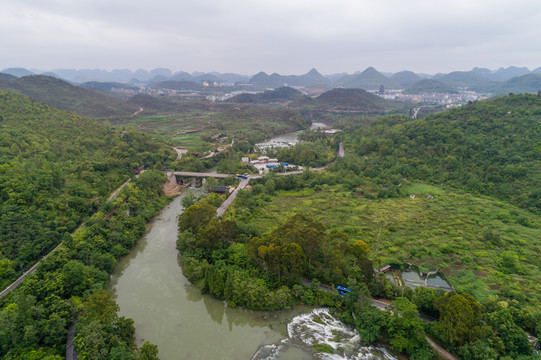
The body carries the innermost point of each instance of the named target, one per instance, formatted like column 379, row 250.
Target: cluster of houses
column 260, row 160
column 264, row 163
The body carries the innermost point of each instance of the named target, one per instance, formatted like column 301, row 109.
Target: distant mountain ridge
column 311, row 78
column 480, row 79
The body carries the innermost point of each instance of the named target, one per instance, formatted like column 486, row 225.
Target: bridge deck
column 200, row 174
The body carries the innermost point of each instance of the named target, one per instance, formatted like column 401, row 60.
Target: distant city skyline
column 286, row 37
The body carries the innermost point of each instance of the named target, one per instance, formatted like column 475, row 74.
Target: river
column 287, row 139
column 173, row 314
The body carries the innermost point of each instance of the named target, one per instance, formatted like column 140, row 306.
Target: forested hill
column 68, row 97
column 344, row 99
column 55, row 169
column 491, row 148
column 282, row 94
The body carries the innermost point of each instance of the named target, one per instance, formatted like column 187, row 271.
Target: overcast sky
column 284, row 36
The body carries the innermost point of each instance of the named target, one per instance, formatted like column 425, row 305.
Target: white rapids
column 311, row 331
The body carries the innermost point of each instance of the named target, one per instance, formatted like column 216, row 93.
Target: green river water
column 185, row 324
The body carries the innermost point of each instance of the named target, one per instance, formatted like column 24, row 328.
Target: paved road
column 341, row 152
column 231, row 197
column 380, row 304
column 30, row 271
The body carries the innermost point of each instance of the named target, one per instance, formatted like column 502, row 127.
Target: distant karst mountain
column 311, row 78
column 68, row 97
column 504, row 74
column 370, row 79
column 405, row 78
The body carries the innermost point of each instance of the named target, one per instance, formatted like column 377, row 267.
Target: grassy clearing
column 482, row 245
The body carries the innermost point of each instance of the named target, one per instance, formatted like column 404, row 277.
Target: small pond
column 412, row 279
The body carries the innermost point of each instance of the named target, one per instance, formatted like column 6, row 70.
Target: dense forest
column 57, row 168
column 490, row 148
column 69, row 286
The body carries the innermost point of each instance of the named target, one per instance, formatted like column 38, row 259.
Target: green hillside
column 344, row 99
column 149, row 102
column 530, row 83
column 462, row 78
column 68, row 97
column 5, row 76
column 55, row 169
column 282, row 94
column 106, row 86
column 430, row 86
column 491, row 148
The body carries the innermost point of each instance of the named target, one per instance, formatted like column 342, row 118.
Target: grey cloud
column 281, row 35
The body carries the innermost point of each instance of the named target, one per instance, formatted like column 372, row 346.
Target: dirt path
column 137, row 112
column 180, row 151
